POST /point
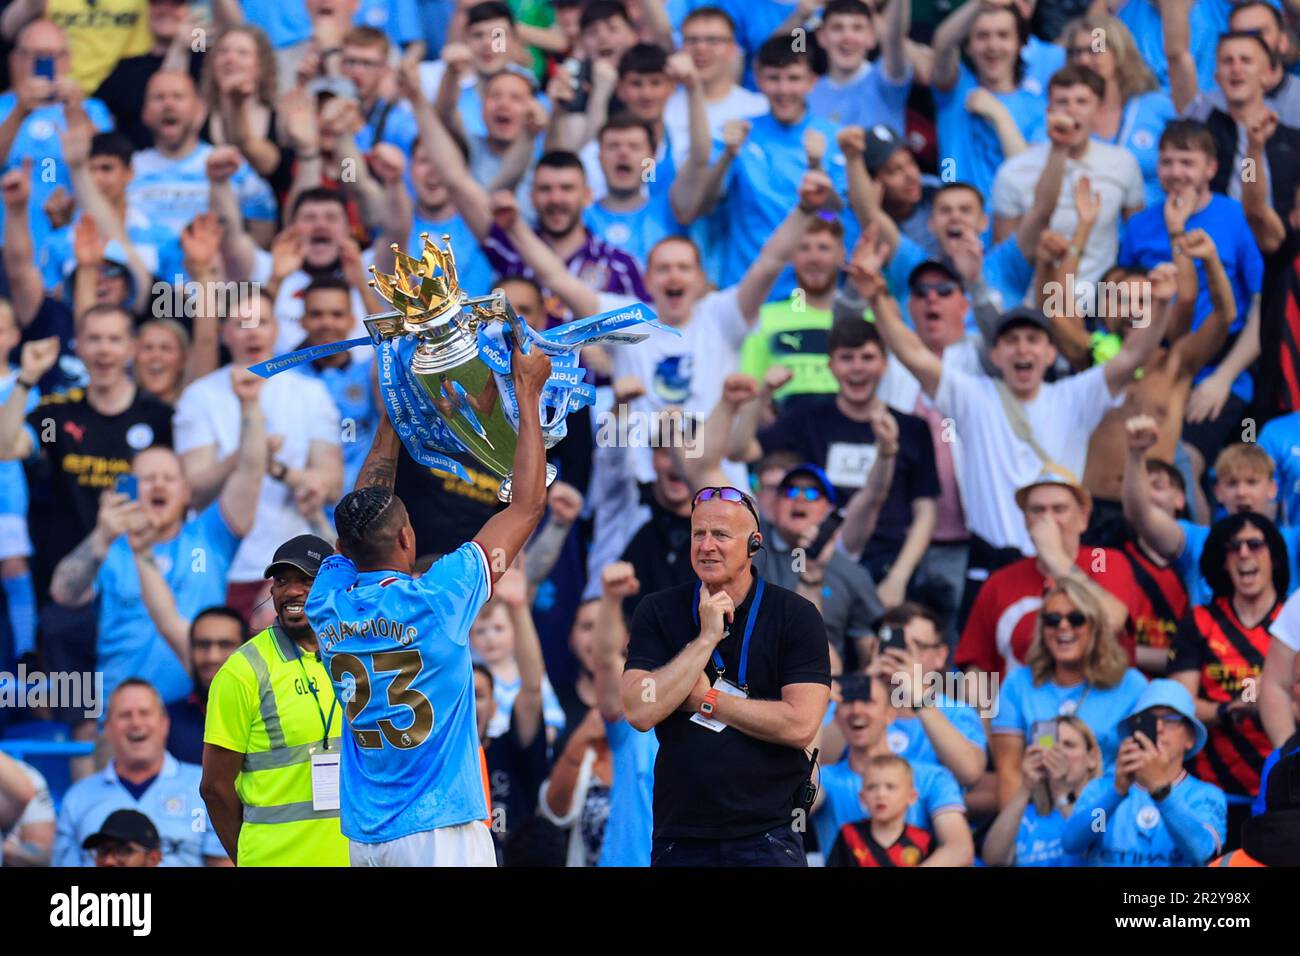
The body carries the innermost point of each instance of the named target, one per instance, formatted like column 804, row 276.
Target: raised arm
column 1141, row 343
column 36, row 358
column 1175, row 20
column 903, row 343
column 504, row 534
column 380, row 467
column 1050, row 271
column 948, row 38
column 893, row 40
column 541, row 553
column 240, row 493
column 696, row 191
column 1048, row 190
column 238, row 250
column 512, row 587
column 1197, row 348
column 469, row 197
column 815, row 191
column 1256, row 195
column 73, row 582
column 26, row 288
column 1208, row 398
column 201, row 243
column 864, row 192
column 980, row 102
column 863, row 509
column 618, row 581
column 395, row 212
column 159, row 600
column 1155, row 526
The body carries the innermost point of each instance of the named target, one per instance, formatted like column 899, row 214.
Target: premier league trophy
column 444, row 364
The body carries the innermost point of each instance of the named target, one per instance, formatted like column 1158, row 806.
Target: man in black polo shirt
column 733, row 673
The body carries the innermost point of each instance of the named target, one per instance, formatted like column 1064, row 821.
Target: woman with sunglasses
column 1219, row 654
column 1058, row 765
column 1074, row 668
column 1134, row 109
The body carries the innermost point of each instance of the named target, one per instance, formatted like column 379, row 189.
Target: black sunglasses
column 1076, row 619
column 944, row 289
column 727, row 493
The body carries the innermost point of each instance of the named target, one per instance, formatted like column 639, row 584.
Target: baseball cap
column 125, row 826
column 882, row 143
column 935, row 265
column 1163, row 692
column 305, row 552
column 1055, row 475
column 1022, row 315
column 816, row 474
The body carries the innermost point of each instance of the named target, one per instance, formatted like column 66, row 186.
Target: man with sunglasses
column 1156, row 813
column 733, row 674
column 841, row 588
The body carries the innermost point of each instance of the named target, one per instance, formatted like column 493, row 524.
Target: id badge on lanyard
column 325, row 780
column 721, row 684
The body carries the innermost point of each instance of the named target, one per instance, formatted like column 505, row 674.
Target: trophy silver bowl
column 448, row 363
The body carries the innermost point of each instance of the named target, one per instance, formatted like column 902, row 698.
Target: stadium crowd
column 992, row 307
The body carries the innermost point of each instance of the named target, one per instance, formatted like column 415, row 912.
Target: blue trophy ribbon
column 424, row 433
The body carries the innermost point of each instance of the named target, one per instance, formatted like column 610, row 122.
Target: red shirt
column 1164, row 588
column 1227, row 657
column 1001, row 623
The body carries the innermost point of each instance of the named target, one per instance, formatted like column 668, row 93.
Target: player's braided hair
column 359, row 510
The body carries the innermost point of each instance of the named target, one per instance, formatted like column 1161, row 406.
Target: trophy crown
column 424, row 287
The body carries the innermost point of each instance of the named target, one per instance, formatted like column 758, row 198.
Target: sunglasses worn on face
column 1253, row 545
column 734, row 495
column 807, row 494
column 944, row 289
column 1076, row 619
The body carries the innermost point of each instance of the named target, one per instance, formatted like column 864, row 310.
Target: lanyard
column 750, row 620
column 315, row 695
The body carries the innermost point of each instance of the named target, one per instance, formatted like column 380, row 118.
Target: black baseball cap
column 1022, row 316
column 935, row 265
column 305, row 552
column 882, row 144
column 125, row 826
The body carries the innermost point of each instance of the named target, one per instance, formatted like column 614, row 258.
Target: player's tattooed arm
column 380, row 467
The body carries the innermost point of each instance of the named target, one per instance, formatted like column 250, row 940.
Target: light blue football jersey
column 397, row 650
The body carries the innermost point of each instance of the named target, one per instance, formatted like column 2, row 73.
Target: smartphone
column 1043, row 733
column 891, row 638
column 830, row 524
column 127, row 484
column 580, row 80
column 43, row 66
column 1148, row 723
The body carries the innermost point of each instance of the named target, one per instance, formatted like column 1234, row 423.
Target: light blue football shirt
column 397, row 650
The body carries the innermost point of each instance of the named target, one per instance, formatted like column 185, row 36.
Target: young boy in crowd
column 885, row 838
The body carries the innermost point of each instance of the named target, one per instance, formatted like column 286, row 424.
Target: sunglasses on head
column 807, row 494
column 734, row 495
column 1075, row 619
column 944, row 289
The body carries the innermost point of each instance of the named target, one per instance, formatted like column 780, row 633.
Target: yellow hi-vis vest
column 262, row 705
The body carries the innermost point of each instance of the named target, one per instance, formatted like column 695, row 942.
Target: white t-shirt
column 295, row 406
column 289, row 305
column 740, row 103
column 898, row 388
column 1286, row 628
column 995, row 463
column 1114, row 174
